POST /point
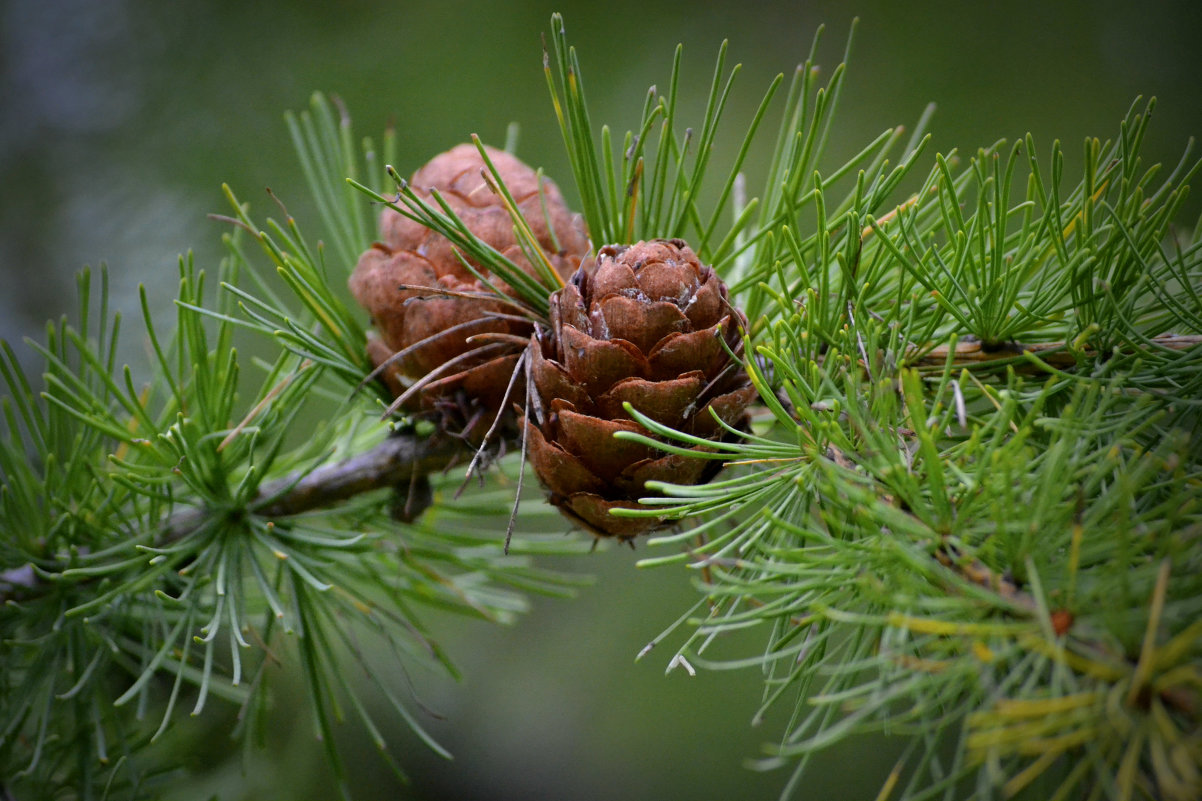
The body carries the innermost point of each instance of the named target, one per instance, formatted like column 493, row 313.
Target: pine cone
column 644, row 324
column 469, row 391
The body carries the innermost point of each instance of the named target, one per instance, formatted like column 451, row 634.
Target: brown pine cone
column 470, row 387
column 643, row 323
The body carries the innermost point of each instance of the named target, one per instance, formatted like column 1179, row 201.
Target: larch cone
column 647, row 324
column 441, row 305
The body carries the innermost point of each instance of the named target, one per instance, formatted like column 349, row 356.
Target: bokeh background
column 120, row 119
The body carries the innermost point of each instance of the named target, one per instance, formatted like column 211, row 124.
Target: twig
column 977, row 572
column 1057, row 354
column 394, row 462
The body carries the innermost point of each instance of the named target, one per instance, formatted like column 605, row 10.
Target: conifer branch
column 400, row 461
column 1008, row 562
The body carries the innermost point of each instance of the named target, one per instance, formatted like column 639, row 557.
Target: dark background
column 119, row 120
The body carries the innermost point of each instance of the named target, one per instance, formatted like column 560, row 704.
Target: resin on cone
column 647, row 324
column 465, row 381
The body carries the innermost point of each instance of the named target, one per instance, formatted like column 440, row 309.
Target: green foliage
column 148, row 566
column 967, row 512
column 997, row 555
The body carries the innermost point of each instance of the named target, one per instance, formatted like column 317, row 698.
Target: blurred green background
column 120, row 119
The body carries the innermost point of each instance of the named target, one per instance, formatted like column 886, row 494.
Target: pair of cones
column 646, row 324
